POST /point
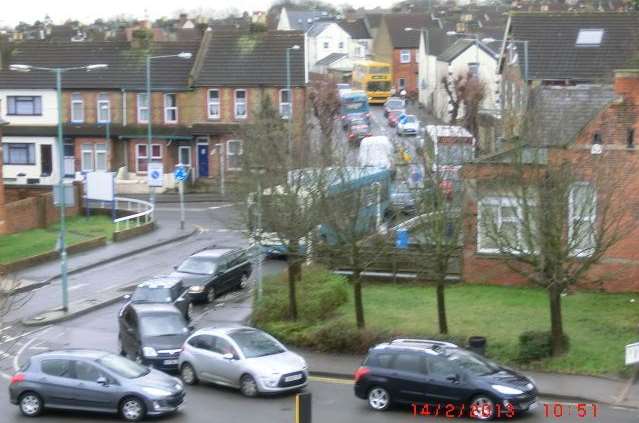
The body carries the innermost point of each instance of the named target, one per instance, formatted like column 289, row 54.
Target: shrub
column 536, row 345
column 342, row 336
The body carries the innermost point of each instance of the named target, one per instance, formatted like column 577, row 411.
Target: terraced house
column 196, row 106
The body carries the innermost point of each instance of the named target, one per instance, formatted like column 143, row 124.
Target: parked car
column 394, row 104
column 348, row 118
column 93, row 380
column 402, row 198
column 358, row 129
column 152, row 334
column 162, row 290
column 376, row 151
column 210, row 272
column 407, row 125
column 420, row 371
column 244, row 358
column 393, row 118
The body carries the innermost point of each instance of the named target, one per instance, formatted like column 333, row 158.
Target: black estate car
column 210, row 272
column 162, row 290
column 153, row 334
column 429, row 374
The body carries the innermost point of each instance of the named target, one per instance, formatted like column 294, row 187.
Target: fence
column 132, row 212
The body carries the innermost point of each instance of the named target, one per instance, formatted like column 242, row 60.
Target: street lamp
column 258, row 171
column 61, row 200
column 524, row 42
column 149, row 134
column 290, row 99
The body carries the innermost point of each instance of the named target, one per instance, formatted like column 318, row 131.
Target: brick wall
column 408, row 71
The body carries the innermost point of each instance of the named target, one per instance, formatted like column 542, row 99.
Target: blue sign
column 401, row 238
column 181, row 174
column 403, row 118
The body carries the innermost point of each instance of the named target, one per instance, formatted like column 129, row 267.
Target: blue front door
column 203, row 160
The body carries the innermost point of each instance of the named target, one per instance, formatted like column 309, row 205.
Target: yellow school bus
column 374, row 78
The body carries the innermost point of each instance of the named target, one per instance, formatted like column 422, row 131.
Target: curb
column 47, row 281
column 31, row 323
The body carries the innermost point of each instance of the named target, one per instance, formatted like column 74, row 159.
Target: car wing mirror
column 102, row 381
column 228, row 356
column 175, row 267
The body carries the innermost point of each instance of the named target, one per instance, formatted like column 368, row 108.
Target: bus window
column 378, row 86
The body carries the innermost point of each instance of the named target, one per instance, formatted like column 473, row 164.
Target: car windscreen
column 145, row 294
column 395, row 105
column 472, row 363
column 411, row 119
column 122, row 366
column 163, row 325
column 198, row 266
column 254, row 343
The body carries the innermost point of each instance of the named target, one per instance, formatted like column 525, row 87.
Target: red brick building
column 589, row 127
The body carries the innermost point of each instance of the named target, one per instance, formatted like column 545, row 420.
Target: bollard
column 303, row 407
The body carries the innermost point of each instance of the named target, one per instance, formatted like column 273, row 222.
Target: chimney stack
column 627, row 84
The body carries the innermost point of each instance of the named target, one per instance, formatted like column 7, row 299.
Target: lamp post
column 61, row 200
column 290, row 100
column 258, row 171
column 149, row 130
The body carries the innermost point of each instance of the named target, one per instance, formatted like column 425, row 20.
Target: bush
column 319, row 294
column 536, row 345
column 342, row 336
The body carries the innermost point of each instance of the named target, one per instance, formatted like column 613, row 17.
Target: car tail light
column 17, row 378
column 359, row 373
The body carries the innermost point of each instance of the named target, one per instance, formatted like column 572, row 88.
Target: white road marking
column 24, row 347
column 77, row 286
column 221, row 207
column 5, row 328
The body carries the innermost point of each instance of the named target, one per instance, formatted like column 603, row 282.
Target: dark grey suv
column 93, row 380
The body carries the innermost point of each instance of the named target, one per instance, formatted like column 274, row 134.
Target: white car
column 408, row 125
column 244, row 358
column 376, row 151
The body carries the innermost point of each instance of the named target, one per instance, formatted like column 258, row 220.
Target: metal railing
column 143, row 211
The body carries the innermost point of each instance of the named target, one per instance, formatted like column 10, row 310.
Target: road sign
column 403, row 118
column 156, row 175
column 401, row 238
column 632, row 353
column 181, row 173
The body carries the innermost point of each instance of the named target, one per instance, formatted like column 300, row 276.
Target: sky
column 88, row 10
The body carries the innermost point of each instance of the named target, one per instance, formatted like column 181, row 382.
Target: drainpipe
column 123, row 107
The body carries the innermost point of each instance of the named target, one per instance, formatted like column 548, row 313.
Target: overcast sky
column 14, row 11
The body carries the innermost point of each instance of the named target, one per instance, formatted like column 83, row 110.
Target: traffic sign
column 156, row 175
column 401, row 238
column 181, row 173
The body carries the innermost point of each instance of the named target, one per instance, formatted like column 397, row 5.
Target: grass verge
column 37, row 241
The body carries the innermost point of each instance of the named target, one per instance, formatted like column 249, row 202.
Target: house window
column 77, row 108
column 285, row 103
column 234, row 154
column 93, row 157
column 214, row 104
column 582, row 215
column 404, row 56
column 499, row 224
column 24, row 105
column 401, row 83
column 358, row 52
column 473, row 69
column 170, row 108
column 143, row 108
column 596, row 138
column 104, row 108
column 141, row 155
column 18, row 153
column 589, row 37
column 326, row 45
column 341, row 45
column 240, row 104
column 630, row 139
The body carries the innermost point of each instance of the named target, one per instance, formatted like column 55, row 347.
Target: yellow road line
column 330, row 380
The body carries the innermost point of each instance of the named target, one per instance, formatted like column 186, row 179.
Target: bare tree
column 465, row 94
column 325, row 105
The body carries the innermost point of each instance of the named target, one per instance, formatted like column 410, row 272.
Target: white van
column 376, row 151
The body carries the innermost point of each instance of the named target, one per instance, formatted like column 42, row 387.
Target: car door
column 129, row 333
column 88, row 393
column 215, row 367
column 446, row 384
column 56, row 383
column 407, row 377
column 225, row 270
column 180, row 297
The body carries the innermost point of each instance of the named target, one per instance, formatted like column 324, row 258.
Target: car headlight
column 149, row 352
column 156, row 392
column 272, row 380
column 196, row 288
column 507, row 390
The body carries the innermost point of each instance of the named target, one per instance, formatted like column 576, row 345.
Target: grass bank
column 599, row 325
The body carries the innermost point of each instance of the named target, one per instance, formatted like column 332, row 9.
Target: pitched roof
column 235, row 59
column 331, row 58
column 557, row 114
column 126, row 65
column 302, row 20
column 356, row 28
column 374, row 19
column 400, row 38
column 552, row 50
column 461, row 45
column 317, row 28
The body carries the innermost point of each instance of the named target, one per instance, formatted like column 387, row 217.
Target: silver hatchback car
column 244, row 358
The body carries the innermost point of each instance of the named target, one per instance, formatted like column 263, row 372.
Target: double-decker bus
column 374, row 78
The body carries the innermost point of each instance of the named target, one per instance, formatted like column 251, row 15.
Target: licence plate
column 170, row 362
column 292, row 378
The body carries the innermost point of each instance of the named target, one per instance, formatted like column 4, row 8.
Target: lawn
column 38, row 241
column 599, row 325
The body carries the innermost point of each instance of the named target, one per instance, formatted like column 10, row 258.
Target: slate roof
column 317, row 28
column 355, row 28
column 400, row 38
column 374, row 19
column 117, row 130
column 552, row 50
column 244, row 60
column 302, row 20
column 459, row 46
column 331, row 58
column 557, row 114
column 126, row 65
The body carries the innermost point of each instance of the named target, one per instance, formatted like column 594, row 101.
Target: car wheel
column 379, row 399
column 31, row 404
column 248, row 386
column 132, row 409
column 243, row 281
column 188, row 375
column 210, row 295
column 482, row 407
